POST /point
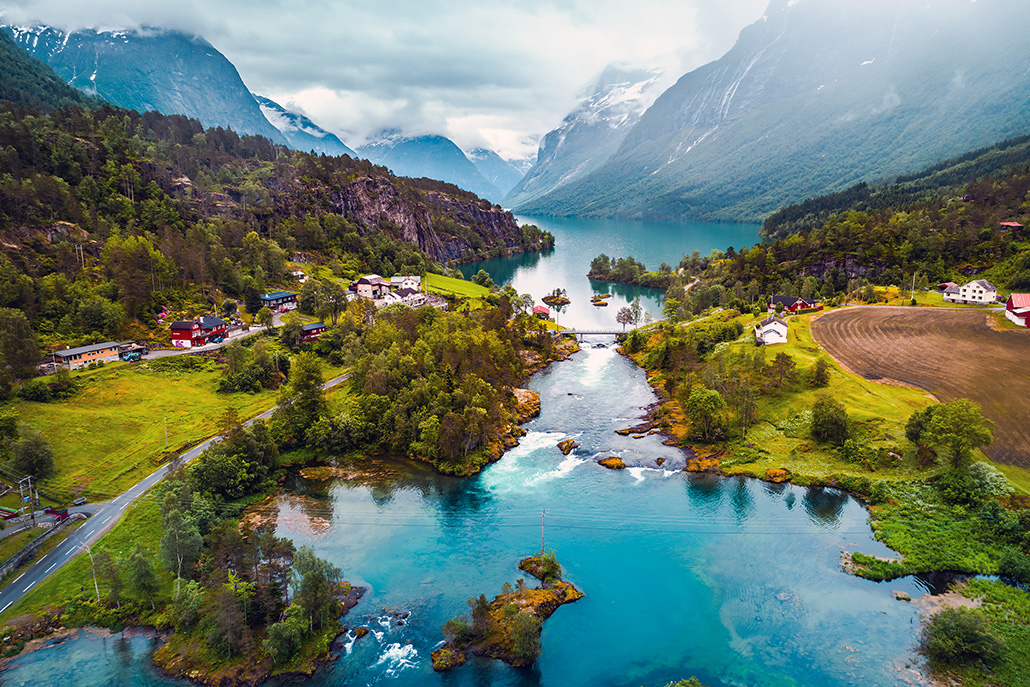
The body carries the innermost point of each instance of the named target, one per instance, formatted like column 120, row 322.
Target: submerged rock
column 612, row 463
column 567, row 446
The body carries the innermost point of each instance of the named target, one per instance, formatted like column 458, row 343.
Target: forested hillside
column 928, row 228
column 28, row 81
column 110, row 215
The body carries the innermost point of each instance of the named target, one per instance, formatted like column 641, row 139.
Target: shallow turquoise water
column 578, row 241
column 733, row 580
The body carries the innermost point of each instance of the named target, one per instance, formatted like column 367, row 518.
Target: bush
column 829, row 420
column 1015, row 566
column 989, row 481
column 525, row 634
column 36, row 390
column 960, row 635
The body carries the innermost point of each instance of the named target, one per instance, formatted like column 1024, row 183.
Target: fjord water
column 733, row 580
column 578, row 241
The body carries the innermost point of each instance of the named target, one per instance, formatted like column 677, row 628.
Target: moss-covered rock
column 566, row 446
column 612, row 463
column 777, row 475
column 446, row 657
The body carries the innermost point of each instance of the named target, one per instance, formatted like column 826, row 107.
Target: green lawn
column 879, row 410
column 112, row 434
column 449, row 286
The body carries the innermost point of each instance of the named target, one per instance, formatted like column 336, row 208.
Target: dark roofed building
column 278, row 299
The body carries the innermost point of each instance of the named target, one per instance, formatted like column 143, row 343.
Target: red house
column 198, row 332
column 541, row 312
column 1017, row 309
column 793, row 304
column 310, row 332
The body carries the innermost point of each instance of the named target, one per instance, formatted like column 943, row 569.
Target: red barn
column 198, row 332
column 1017, row 309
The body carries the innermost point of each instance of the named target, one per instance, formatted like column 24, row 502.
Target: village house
column 1017, row 309
column 198, row 332
column 410, row 282
column 542, row 312
column 371, row 286
column 979, row 291
column 771, row 330
column 279, row 299
column 75, row 358
column 793, row 304
column 310, row 332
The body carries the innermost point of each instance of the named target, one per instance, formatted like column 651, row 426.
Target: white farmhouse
column 406, row 282
column 978, row 292
column 771, row 330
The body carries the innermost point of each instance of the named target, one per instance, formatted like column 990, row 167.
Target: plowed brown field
column 950, row 353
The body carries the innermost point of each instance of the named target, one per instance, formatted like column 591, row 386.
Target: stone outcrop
column 612, row 463
column 777, row 475
column 706, row 464
column 567, row 446
column 527, row 405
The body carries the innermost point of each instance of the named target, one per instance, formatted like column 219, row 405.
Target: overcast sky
column 499, row 73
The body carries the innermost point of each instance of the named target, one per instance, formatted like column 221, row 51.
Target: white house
column 771, row 330
column 410, row 282
column 979, row 292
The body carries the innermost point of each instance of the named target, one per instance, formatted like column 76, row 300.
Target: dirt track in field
column 950, row 353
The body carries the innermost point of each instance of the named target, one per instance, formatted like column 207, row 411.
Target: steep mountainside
column 151, row 69
column 815, row 97
column 591, row 133
column 300, row 132
column 495, row 169
column 433, row 157
column 28, row 81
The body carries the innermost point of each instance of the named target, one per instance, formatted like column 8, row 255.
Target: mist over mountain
column 435, row 157
column 814, row 97
column 300, row 132
column 151, row 69
column 591, row 133
column 495, row 169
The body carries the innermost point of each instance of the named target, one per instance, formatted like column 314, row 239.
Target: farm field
column 952, row 354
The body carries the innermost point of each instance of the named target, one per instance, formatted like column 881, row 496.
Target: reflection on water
column 578, row 241
column 684, row 574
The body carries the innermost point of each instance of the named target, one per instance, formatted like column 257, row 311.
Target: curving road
column 105, row 515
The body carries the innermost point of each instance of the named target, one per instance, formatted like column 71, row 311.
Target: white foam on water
column 596, row 360
column 397, row 658
column 638, row 472
column 350, row 644
column 564, row 468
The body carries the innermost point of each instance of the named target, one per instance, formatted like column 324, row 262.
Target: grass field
column 953, row 354
column 112, row 434
column 141, row 523
column 449, row 286
column 879, row 411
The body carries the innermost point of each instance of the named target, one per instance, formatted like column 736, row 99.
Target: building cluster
column 107, row 352
column 404, row 290
column 976, row 292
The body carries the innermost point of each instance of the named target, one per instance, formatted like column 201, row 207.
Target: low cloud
column 491, row 73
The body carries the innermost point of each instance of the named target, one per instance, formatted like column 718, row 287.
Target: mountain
column 495, row 169
column 434, row 157
column 815, row 97
column 151, row 69
column 592, row 132
column 26, row 81
column 300, row 132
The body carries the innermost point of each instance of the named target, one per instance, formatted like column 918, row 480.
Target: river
column 733, row 580
column 578, row 241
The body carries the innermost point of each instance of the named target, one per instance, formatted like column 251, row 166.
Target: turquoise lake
column 733, row 580
column 578, row 241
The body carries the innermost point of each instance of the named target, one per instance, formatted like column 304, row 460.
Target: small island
column 557, row 298
column 509, row 627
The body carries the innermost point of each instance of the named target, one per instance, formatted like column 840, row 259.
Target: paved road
column 104, row 516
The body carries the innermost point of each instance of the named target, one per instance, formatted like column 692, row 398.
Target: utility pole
column 166, row 434
column 94, row 568
column 21, row 491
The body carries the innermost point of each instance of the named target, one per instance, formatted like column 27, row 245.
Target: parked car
column 218, row 339
column 81, row 501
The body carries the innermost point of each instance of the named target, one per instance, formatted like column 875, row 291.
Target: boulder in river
column 612, row 463
column 567, row 445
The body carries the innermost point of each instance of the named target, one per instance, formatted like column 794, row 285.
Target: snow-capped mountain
column 151, row 69
column 815, row 97
column 300, row 132
column 592, row 132
column 435, row 157
column 495, row 169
